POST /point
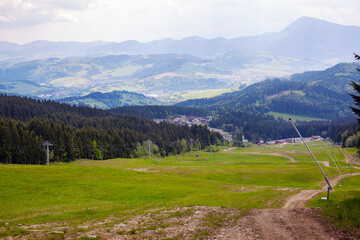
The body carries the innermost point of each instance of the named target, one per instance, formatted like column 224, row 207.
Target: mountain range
column 306, row 38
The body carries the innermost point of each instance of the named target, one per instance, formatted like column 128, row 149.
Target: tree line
column 82, row 132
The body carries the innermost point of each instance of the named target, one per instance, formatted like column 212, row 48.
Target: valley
column 152, row 75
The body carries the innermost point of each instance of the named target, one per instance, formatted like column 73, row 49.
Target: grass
column 87, row 190
column 13, row 232
column 182, row 96
column 125, row 71
column 70, row 82
column 24, row 88
column 286, row 116
column 205, row 93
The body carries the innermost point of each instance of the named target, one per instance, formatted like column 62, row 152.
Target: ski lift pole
column 177, row 159
column 192, row 141
column 317, row 163
column 149, row 142
column 47, row 144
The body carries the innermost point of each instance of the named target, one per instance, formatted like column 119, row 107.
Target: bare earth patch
column 201, row 222
column 300, row 223
column 142, row 169
column 271, row 154
column 229, row 149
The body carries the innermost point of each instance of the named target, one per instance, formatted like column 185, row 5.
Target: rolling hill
column 318, row 94
column 337, row 78
column 110, row 100
column 156, row 74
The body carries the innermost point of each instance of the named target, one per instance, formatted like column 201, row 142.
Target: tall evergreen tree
column 356, row 97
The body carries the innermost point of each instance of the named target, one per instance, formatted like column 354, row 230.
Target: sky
column 23, row 21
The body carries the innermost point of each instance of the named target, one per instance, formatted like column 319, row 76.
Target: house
column 158, row 120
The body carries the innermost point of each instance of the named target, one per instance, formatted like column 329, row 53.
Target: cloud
column 145, row 20
column 24, row 13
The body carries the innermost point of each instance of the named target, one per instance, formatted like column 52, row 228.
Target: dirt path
column 271, row 154
column 200, row 222
column 325, row 163
column 299, row 200
column 229, row 149
column 293, row 221
column 268, row 224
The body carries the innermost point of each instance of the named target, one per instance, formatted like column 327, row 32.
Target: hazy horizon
column 23, row 21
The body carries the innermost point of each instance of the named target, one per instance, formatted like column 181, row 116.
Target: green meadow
column 286, row 116
column 241, row 178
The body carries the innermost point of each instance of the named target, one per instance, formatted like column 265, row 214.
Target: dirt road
column 293, row 221
column 268, row 224
column 299, row 200
column 271, row 154
column 200, row 222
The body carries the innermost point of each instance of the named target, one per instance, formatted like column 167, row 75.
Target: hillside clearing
column 222, row 195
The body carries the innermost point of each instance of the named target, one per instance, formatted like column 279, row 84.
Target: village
column 291, row 140
column 182, row 120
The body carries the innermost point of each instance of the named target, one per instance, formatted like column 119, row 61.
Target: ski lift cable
column 329, row 153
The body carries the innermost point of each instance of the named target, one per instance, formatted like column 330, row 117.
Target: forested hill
column 24, row 109
column 110, row 100
column 291, row 97
column 337, row 78
column 81, row 132
column 151, row 112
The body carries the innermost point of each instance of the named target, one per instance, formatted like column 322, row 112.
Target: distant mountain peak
column 309, row 19
column 308, row 23
column 193, row 38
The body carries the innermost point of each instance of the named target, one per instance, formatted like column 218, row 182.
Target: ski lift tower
column 47, row 144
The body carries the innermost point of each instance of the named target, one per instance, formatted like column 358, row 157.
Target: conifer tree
column 356, row 97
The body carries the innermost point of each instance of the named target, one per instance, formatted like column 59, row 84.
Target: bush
column 211, row 148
